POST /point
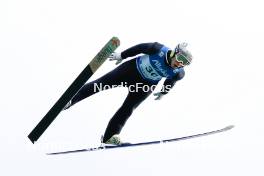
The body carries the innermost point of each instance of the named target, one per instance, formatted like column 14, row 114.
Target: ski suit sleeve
column 143, row 48
column 169, row 83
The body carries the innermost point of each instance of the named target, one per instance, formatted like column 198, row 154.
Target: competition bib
column 147, row 70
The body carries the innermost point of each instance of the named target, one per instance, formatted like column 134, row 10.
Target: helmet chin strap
column 170, row 55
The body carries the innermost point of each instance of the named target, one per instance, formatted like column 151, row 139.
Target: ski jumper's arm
column 143, row 48
column 169, row 83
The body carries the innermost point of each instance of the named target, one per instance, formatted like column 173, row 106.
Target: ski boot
column 68, row 105
column 114, row 140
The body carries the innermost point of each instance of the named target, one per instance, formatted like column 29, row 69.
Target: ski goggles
column 182, row 59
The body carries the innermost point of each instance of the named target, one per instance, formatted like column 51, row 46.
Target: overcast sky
column 44, row 45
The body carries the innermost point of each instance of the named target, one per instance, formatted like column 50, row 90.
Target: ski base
column 144, row 143
column 83, row 77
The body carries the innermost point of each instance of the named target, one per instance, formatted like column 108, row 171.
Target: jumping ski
column 144, row 143
column 89, row 70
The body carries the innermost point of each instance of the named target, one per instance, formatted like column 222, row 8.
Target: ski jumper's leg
column 117, row 122
column 133, row 99
column 114, row 77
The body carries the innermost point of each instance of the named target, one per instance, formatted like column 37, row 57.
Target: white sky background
column 44, row 45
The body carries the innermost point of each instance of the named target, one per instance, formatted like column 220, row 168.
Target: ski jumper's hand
column 158, row 95
column 116, row 57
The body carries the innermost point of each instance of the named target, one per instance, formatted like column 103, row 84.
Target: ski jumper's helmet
column 182, row 54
